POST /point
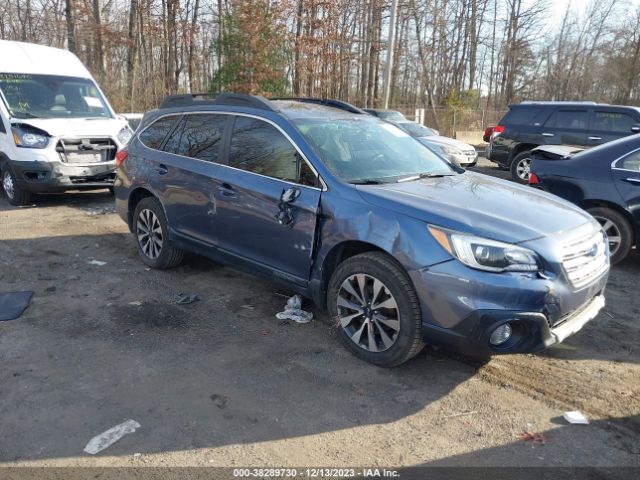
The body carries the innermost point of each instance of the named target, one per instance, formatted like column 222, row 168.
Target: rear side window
column 259, row 147
column 519, row 116
column 569, row 119
column 613, row 122
column 198, row 136
column 631, row 162
column 154, row 134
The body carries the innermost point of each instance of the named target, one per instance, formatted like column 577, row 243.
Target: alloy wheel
column 611, row 230
column 149, row 233
column 7, row 184
column 524, row 169
column 368, row 312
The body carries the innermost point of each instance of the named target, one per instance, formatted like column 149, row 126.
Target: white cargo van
column 57, row 130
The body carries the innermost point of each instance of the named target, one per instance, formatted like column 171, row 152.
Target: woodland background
column 451, row 57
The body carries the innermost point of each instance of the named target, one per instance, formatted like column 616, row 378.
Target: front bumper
column 461, row 308
column 44, row 176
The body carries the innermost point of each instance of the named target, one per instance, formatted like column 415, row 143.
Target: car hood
column 440, row 140
column 75, row 127
column 479, row 204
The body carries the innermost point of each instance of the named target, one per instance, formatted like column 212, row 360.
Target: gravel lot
column 222, row 382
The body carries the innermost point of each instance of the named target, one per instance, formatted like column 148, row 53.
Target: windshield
column 51, row 96
column 416, row 130
column 367, row 150
column 391, row 116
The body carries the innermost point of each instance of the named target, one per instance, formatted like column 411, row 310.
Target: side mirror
column 635, row 129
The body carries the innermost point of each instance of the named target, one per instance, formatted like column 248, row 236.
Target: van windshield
column 51, row 96
column 367, row 150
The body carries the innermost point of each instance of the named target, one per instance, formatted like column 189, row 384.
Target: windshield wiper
column 425, row 175
column 25, row 115
column 366, row 181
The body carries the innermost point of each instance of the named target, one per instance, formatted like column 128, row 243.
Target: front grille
column 585, row 258
column 86, row 150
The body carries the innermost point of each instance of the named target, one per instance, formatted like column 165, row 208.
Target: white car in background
column 457, row 152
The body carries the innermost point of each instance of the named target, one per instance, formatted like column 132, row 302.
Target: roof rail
column 552, row 102
column 329, row 102
column 230, row 99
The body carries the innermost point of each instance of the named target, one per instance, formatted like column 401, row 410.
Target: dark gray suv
column 399, row 245
column 579, row 124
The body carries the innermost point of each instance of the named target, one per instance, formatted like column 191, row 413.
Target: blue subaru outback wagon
column 400, row 246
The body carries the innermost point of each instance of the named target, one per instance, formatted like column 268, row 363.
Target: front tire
column 618, row 230
column 152, row 235
column 16, row 195
column 376, row 308
column 521, row 167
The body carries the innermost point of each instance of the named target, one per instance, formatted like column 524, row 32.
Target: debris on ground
column 111, row 436
column 99, row 210
column 293, row 311
column 536, row 438
column 136, row 303
column 186, row 298
column 576, row 418
column 12, row 304
column 220, row 401
column 461, row 414
column 99, row 263
column 265, row 333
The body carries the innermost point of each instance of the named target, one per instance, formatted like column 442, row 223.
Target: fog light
column 500, row 334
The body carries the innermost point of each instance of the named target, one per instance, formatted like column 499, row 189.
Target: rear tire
column 376, row 308
column 520, row 167
column 618, row 230
column 152, row 235
column 16, row 195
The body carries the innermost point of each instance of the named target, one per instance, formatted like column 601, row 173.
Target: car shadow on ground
column 85, row 200
column 103, row 343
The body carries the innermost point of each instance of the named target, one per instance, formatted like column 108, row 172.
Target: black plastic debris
column 185, row 299
column 12, row 304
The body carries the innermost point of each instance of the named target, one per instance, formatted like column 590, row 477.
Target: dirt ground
column 222, row 382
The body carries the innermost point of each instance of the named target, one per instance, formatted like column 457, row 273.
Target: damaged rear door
column 268, row 199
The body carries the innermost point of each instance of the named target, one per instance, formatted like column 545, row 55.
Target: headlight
column 28, row 139
column 450, row 150
column 125, row 135
column 484, row 254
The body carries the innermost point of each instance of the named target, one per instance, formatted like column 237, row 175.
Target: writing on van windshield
column 51, row 96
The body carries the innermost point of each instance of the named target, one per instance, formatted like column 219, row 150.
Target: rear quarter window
column 519, row 116
column 198, row 136
column 613, row 122
column 154, row 134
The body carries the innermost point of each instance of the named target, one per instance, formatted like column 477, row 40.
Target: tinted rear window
column 569, row 119
column 154, row 134
column 519, row 116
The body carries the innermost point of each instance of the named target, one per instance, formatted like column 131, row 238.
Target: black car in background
column 531, row 124
column 604, row 180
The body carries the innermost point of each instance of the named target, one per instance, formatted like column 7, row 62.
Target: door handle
column 548, row 135
column 162, row 169
column 226, row 190
column 595, row 138
column 633, row 180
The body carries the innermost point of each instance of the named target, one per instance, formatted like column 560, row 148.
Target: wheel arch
column 341, row 252
column 591, row 203
column 135, row 197
column 518, row 149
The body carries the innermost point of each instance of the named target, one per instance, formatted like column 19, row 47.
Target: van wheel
column 15, row 194
column 618, row 230
column 152, row 235
column 520, row 167
column 376, row 309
